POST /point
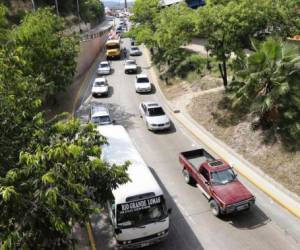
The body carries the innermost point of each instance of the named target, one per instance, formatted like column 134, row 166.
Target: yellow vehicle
column 113, row 49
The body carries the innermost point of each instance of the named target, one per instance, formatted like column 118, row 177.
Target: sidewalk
column 278, row 193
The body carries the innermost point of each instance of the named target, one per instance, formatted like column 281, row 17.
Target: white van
column 138, row 213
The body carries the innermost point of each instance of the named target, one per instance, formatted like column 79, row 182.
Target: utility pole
column 33, row 5
column 56, row 5
column 78, row 11
column 126, row 5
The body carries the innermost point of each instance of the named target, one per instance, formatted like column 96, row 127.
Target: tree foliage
column 144, row 18
column 92, row 11
column 46, row 50
column 268, row 83
column 55, row 184
column 51, row 173
column 174, row 28
column 230, row 26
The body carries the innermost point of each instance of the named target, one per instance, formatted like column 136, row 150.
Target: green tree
column 55, row 184
column 46, row 50
column 19, row 104
column 3, row 23
column 174, row 28
column 144, row 19
column 230, row 27
column 269, row 84
column 92, row 11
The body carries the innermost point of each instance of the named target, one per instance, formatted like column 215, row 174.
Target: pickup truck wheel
column 187, row 177
column 215, row 209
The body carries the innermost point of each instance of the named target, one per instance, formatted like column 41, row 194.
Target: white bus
column 138, row 213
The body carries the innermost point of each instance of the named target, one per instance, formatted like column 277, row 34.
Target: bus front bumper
column 143, row 242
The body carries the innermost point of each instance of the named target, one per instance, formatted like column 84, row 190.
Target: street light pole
column 33, row 5
column 78, row 11
column 56, row 5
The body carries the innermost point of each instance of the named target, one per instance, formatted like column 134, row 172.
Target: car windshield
column 222, row 177
column 134, row 48
column 104, row 65
column 156, row 111
column 142, row 217
column 101, row 120
column 99, row 84
column 142, row 80
column 130, row 62
column 112, row 46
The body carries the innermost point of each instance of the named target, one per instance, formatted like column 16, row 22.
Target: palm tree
column 269, row 83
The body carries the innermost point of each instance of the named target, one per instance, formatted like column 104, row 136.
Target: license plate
column 242, row 207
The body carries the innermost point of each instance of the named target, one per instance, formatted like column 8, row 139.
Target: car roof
column 99, row 110
column 141, row 76
column 100, row 79
column 151, row 104
column 104, row 62
column 134, row 47
column 216, row 165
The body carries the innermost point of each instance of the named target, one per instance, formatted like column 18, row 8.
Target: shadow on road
column 248, row 220
column 117, row 113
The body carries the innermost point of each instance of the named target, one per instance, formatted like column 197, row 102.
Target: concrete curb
column 260, row 180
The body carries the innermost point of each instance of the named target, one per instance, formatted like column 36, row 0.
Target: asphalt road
column 192, row 225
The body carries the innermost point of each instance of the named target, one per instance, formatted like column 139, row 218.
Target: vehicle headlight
column 161, row 233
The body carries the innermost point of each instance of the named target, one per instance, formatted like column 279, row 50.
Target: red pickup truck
column 217, row 180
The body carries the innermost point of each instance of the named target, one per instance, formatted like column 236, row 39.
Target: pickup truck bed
column 196, row 157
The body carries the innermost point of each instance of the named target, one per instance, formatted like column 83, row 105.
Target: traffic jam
column 140, row 204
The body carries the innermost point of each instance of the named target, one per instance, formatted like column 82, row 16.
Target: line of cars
column 151, row 112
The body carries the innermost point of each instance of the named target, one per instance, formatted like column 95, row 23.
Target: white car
column 100, row 87
column 130, row 66
column 154, row 116
column 135, row 51
column 100, row 115
column 142, row 84
column 104, row 68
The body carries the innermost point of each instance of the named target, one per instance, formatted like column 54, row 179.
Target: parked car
column 142, row 84
column 100, row 87
column 154, row 116
column 130, row 66
column 217, row 181
column 99, row 115
column 135, row 51
column 104, row 68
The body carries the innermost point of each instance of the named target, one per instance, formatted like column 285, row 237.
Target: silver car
column 100, row 115
column 142, row 84
column 104, row 68
column 135, row 51
column 154, row 116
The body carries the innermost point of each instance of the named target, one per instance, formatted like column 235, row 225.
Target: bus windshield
column 112, row 46
column 137, row 218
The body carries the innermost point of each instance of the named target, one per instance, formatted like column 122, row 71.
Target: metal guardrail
column 95, row 35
